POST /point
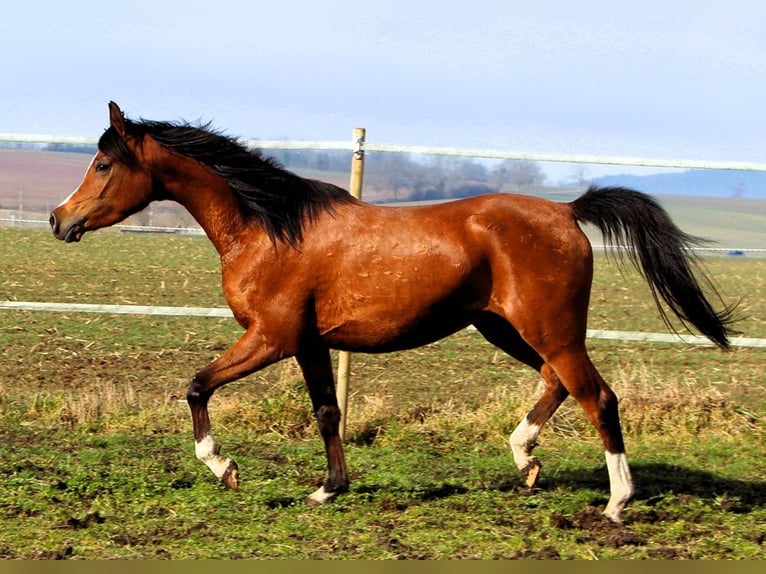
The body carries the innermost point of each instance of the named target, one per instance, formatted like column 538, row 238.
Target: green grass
column 144, row 496
column 98, row 462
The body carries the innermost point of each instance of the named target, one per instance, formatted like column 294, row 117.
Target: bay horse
column 307, row 268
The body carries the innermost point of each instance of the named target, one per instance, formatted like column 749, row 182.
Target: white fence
column 222, row 312
column 351, row 146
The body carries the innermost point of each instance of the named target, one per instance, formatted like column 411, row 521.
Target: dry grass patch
column 649, row 405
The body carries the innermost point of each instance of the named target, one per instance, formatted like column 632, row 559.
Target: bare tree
column 516, row 174
column 580, row 174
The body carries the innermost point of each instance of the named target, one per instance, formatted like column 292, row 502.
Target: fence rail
column 679, row 163
column 198, row 231
column 223, row 312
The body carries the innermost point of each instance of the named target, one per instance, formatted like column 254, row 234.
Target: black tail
column 661, row 252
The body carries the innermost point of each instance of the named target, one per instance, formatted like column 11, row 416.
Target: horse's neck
column 209, row 201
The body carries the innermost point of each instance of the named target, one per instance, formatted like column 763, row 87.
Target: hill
column 697, row 182
column 36, row 181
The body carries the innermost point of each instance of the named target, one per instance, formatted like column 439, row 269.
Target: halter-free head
column 113, row 188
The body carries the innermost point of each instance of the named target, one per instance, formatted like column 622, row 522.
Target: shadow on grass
column 655, row 480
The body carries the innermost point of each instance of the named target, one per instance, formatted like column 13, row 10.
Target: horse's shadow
column 654, row 481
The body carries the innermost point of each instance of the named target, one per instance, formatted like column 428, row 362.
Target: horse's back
column 505, row 224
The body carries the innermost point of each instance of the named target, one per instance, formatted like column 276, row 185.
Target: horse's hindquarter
column 542, row 267
column 393, row 278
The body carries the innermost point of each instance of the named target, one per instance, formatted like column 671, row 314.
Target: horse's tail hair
column 635, row 224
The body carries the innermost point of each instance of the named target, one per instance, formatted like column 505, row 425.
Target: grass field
column 98, row 462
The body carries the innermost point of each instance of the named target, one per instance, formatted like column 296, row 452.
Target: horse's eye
column 103, row 167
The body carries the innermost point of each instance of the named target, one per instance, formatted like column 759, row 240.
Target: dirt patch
column 63, row 553
column 546, row 553
column 597, row 529
column 89, row 519
column 668, row 554
column 758, row 538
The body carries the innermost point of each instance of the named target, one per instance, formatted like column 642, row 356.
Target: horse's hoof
column 613, row 516
column 320, row 497
column 231, row 476
column 531, row 472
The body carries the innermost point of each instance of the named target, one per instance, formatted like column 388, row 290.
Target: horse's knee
column 600, row 405
column 196, row 393
column 608, row 409
column 609, row 421
column 607, row 400
column 328, row 420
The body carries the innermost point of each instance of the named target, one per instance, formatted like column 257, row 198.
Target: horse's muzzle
column 69, row 232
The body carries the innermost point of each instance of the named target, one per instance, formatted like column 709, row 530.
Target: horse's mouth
column 70, row 234
column 74, row 234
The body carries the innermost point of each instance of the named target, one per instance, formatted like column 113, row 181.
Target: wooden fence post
column 344, row 357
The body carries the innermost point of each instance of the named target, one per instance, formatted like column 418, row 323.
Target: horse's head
column 114, row 187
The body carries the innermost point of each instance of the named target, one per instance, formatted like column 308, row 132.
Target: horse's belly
column 383, row 338
column 391, row 301
column 378, row 329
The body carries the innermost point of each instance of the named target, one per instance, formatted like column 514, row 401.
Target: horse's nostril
column 54, row 224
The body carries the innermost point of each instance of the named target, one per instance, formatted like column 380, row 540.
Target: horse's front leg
column 248, row 355
column 315, row 363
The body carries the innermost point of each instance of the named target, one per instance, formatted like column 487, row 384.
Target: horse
column 307, row 268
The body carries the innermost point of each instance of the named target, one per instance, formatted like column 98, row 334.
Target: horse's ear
column 116, row 118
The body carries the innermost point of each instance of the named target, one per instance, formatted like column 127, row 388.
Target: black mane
column 277, row 199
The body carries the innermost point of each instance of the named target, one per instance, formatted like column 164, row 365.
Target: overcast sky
column 650, row 78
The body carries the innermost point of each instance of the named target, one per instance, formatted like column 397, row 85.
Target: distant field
column 38, row 181
column 729, row 222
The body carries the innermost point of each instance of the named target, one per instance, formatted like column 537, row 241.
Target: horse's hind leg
column 524, row 438
column 316, row 366
column 585, row 384
column 565, row 372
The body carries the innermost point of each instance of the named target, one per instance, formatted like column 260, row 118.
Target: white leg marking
column 523, row 441
column 208, row 451
column 320, row 496
column 620, row 484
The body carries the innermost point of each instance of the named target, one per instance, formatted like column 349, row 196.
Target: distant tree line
column 72, row 148
column 399, row 177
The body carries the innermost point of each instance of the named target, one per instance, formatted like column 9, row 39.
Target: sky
column 657, row 79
